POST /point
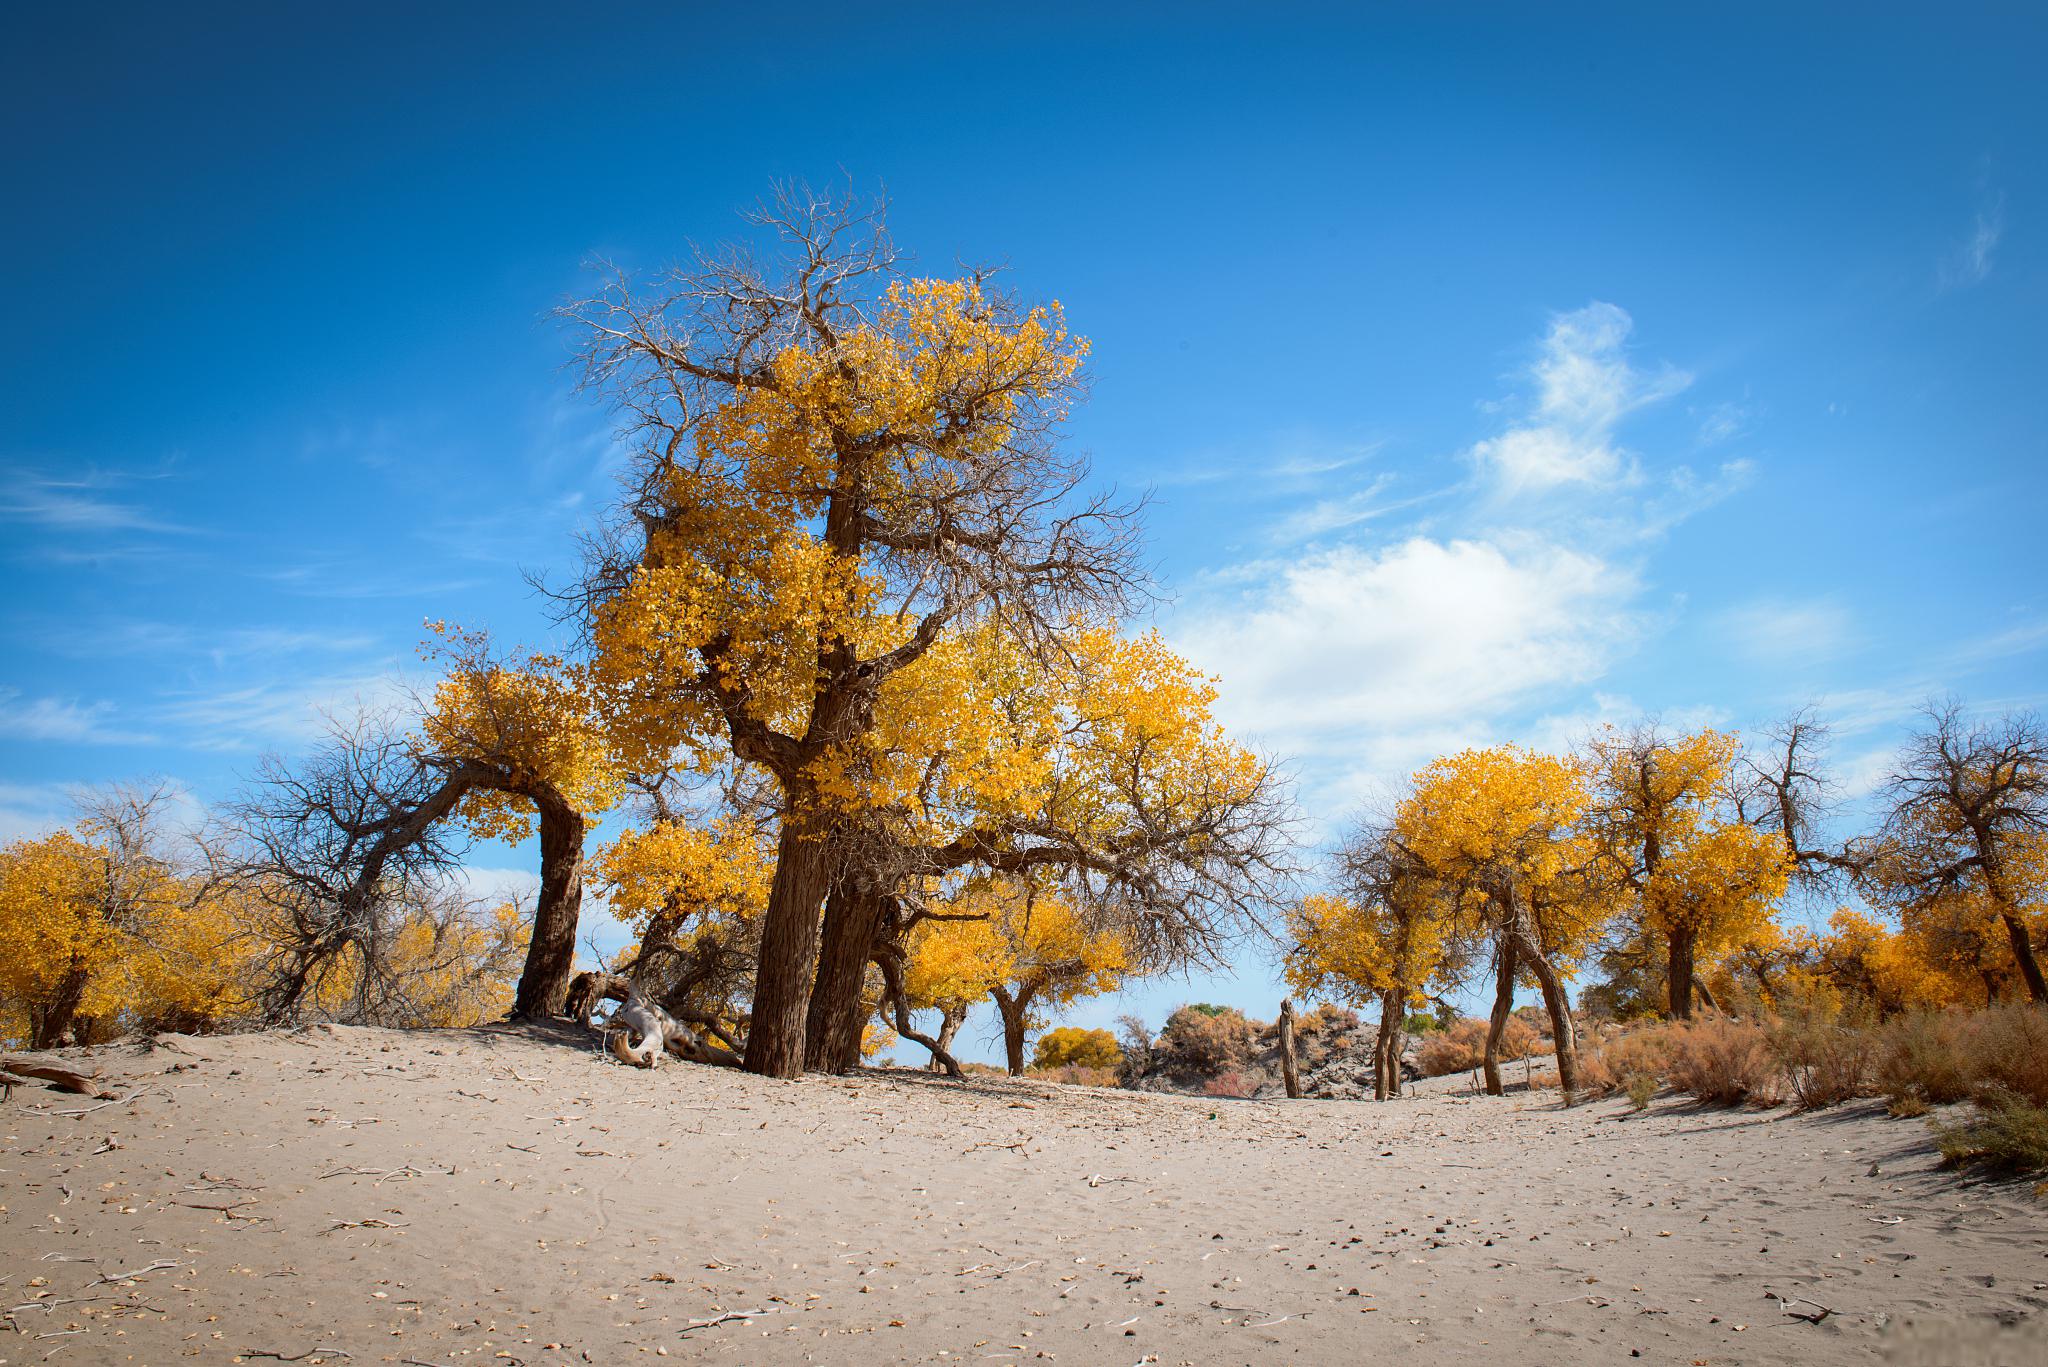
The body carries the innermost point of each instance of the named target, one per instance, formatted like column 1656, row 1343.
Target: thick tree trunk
column 1559, row 1005
column 551, row 954
column 48, row 1024
column 1290, row 1072
column 1684, row 949
column 1503, row 1007
column 1386, row 1063
column 1015, row 1012
column 833, row 1023
column 2023, row 955
column 788, row 960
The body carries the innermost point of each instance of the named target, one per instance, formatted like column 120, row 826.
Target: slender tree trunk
column 833, row 1024
column 788, row 961
column 1015, row 1012
column 1386, row 1072
column 551, row 953
column 1290, row 1072
column 1503, row 1006
column 1559, row 1004
column 1684, row 949
column 48, row 1024
column 1990, row 987
column 950, row 1021
column 892, row 989
column 2023, row 955
column 1706, row 993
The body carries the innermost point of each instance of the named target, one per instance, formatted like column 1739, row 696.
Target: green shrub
column 1642, row 1088
column 2009, row 1132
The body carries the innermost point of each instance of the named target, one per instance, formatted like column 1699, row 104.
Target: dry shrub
column 1075, row 1075
column 1940, row 1057
column 2009, row 1052
column 1227, row 1084
column 1326, row 1017
column 1642, row 1089
column 1722, row 1062
column 1463, row 1047
column 1198, row 1040
column 2008, row 1132
column 1623, row 1059
column 1826, row 1063
column 1926, row 1056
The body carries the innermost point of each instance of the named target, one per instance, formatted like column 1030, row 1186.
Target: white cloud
column 285, row 711
column 33, row 809
column 1361, row 662
column 1969, row 263
column 56, row 719
column 1787, row 631
column 1585, row 386
column 75, row 503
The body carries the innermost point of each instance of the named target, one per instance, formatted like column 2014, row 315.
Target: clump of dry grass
column 1825, row 1062
column 1722, row 1062
column 1925, row 1057
column 1076, row 1075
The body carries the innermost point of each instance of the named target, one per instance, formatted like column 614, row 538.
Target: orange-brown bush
column 1825, row 1062
column 1075, row 1075
column 1463, row 1046
column 1722, row 1062
column 1622, row 1059
column 1198, row 1041
column 1925, row 1056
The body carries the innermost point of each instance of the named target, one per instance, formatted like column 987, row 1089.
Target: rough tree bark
column 832, row 1026
column 48, row 1024
column 1503, row 1007
column 1680, row 970
column 551, row 954
column 1289, row 1070
column 1386, row 1066
column 1015, row 1012
column 788, row 962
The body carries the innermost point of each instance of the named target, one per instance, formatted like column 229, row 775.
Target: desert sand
column 362, row 1196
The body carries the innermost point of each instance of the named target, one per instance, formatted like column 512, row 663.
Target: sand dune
column 511, row 1196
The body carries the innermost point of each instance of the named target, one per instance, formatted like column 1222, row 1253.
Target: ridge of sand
column 507, row 1195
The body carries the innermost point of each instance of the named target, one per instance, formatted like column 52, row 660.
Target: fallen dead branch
column 63, row 1079
column 727, row 1318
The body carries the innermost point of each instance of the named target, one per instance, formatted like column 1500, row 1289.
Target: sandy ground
column 363, row 1196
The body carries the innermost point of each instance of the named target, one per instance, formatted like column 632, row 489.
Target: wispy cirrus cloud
column 64, row 720
column 80, row 502
column 1969, row 261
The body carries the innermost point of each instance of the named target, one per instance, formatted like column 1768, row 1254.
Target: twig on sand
column 1787, row 1302
column 405, row 1172
column 727, row 1318
column 110, row 1101
column 362, row 1224
column 160, row 1265
column 296, row 1357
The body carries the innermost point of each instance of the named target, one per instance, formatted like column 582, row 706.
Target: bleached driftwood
column 641, row 1032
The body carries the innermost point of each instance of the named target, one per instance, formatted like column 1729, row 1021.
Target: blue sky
column 1494, row 371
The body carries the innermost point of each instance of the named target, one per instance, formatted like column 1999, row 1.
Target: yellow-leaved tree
column 1024, row 948
column 520, row 741
column 1700, row 878
column 1500, row 830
